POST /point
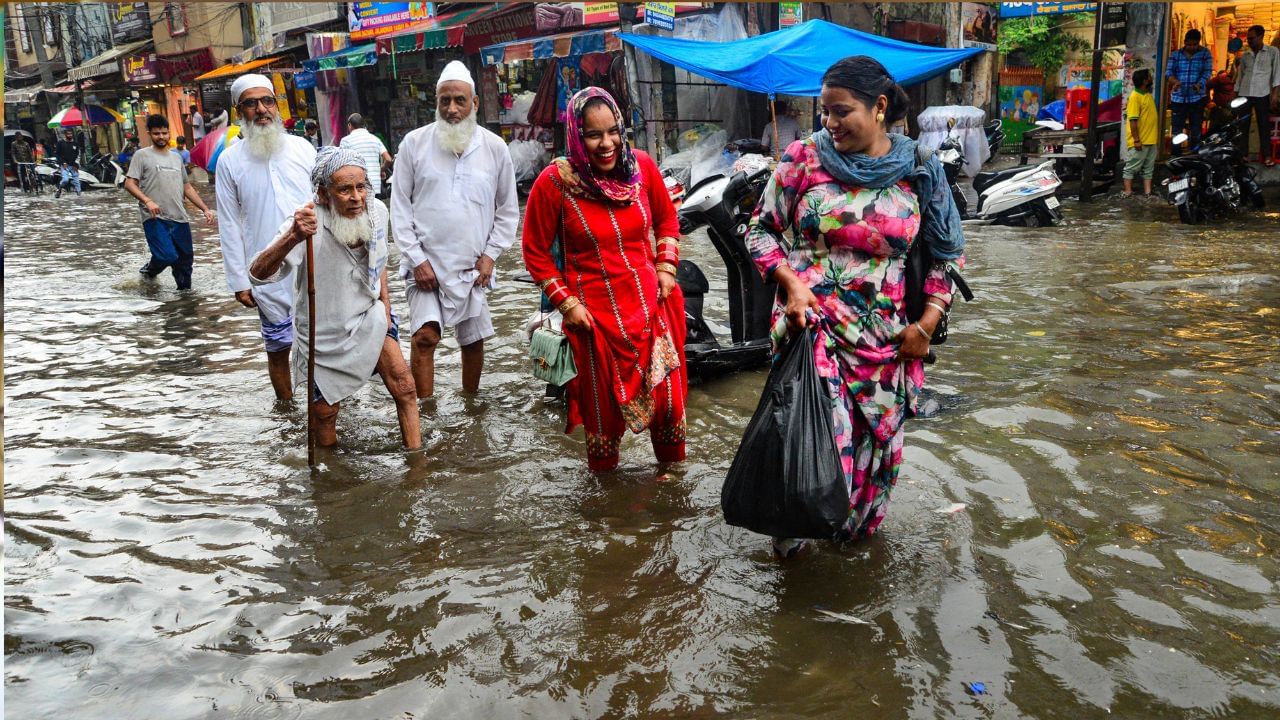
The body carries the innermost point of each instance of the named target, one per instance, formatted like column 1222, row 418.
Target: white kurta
column 450, row 210
column 352, row 319
column 254, row 197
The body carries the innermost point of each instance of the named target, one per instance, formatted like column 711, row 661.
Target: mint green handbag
column 552, row 357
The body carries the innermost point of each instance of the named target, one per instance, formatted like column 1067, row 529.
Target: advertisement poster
column 130, row 21
column 367, row 20
column 1019, row 105
column 660, row 15
column 790, row 13
column 979, row 22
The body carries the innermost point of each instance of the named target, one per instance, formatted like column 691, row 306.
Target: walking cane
column 311, row 356
column 777, row 151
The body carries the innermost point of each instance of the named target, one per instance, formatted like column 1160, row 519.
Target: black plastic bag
column 786, row 479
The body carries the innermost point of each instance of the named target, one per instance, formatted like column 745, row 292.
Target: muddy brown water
column 1108, row 418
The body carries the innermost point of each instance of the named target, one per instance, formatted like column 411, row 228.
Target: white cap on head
column 249, row 82
column 455, row 70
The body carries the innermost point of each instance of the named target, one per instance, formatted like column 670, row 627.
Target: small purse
column 552, row 357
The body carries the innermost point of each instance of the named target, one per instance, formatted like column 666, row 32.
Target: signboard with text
column 790, row 13
column 130, row 21
column 367, row 20
column 516, row 24
column 141, row 69
column 1033, row 9
column 1115, row 25
column 660, row 15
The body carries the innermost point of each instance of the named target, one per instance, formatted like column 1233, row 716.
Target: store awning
column 793, row 60
column 554, row 46
column 351, row 57
column 21, row 96
column 444, row 31
column 230, row 71
column 105, row 63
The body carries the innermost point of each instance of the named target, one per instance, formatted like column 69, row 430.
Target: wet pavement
column 1109, row 422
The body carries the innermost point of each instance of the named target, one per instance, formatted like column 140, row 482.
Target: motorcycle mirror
column 1180, row 138
column 1238, row 103
column 951, row 123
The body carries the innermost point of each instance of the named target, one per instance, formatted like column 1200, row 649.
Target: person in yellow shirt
column 1142, row 134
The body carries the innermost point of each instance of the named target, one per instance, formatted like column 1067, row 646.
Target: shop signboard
column 978, row 21
column 185, row 66
column 304, row 80
column 141, row 69
column 556, row 17
column 1115, row 25
column 1033, row 9
column 516, row 24
column 790, row 13
column 368, row 20
column 663, row 14
column 130, row 22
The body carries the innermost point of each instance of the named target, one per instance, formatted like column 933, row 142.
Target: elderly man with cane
column 338, row 244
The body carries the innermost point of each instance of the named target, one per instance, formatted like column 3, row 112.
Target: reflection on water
column 1109, row 422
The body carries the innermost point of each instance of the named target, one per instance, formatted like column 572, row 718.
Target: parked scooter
column 1215, row 178
column 995, row 138
column 1021, row 196
column 105, row 169
column 724, row 206
column 51, row 174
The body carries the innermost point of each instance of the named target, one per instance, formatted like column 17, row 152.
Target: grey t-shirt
column 161, row 176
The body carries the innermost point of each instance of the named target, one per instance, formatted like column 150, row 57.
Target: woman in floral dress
column 854, row 199
column 622, row 308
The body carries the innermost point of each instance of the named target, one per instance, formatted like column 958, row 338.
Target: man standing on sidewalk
column 157, row 177
column 262, row 179
column 1188, row 73
column 1259, row 81
column 1143, row 134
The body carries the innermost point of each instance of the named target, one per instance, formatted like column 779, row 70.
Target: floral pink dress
column 849, row 245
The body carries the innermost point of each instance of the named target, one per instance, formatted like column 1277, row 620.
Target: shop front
column 295, row 104
column 525, row 85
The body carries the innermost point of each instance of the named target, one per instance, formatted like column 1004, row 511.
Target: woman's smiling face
column 852, row 124
column 602, row 137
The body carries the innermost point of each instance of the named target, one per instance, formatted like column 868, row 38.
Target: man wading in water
column 356, row 333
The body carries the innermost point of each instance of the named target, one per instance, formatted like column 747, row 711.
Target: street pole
column 1091, row 135
column 639, row 130
column 36, row 29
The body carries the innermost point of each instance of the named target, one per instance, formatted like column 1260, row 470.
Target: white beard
column 264, row 142
column 455, row 138
column 351, row 231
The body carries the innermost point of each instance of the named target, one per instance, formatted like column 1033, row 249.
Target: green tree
column 1042, row 39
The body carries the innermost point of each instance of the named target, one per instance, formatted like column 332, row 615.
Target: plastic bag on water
column 786, row 479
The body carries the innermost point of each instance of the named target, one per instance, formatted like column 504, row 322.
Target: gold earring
column 879, row 117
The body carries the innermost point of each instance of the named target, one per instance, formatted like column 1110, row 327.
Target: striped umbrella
column 97, row 115
column 206, row 152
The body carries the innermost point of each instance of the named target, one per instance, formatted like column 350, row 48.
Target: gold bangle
column 665, row 267
column 670, row 240
column 922, row 332
column 940, row 308
column 569, row 304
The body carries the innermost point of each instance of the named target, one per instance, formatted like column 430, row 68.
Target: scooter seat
column 984, row 180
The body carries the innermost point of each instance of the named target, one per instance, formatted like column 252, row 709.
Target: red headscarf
column 619, row 185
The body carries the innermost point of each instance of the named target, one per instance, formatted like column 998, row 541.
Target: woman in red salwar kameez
column 623, row 311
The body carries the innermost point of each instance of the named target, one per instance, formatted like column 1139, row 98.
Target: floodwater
column 1109, row 420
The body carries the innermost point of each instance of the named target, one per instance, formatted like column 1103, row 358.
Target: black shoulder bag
column 918, row 263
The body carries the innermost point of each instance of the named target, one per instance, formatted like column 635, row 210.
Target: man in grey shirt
column 158, row 178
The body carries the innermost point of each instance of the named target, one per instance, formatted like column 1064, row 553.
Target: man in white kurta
column 355, row 330
column 453, row 212
column 261, row 180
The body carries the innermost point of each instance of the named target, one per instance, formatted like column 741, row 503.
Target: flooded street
column 1110, row 418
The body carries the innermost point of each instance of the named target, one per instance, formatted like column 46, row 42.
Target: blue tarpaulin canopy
column 792, row 60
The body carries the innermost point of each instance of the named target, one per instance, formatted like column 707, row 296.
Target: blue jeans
column 70, row 175
column 1189, row 115
column 170, row 245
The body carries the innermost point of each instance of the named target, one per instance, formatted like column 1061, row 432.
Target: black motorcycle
column 1214, row 178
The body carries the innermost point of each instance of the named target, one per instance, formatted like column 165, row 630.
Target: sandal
column 1269, row 162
